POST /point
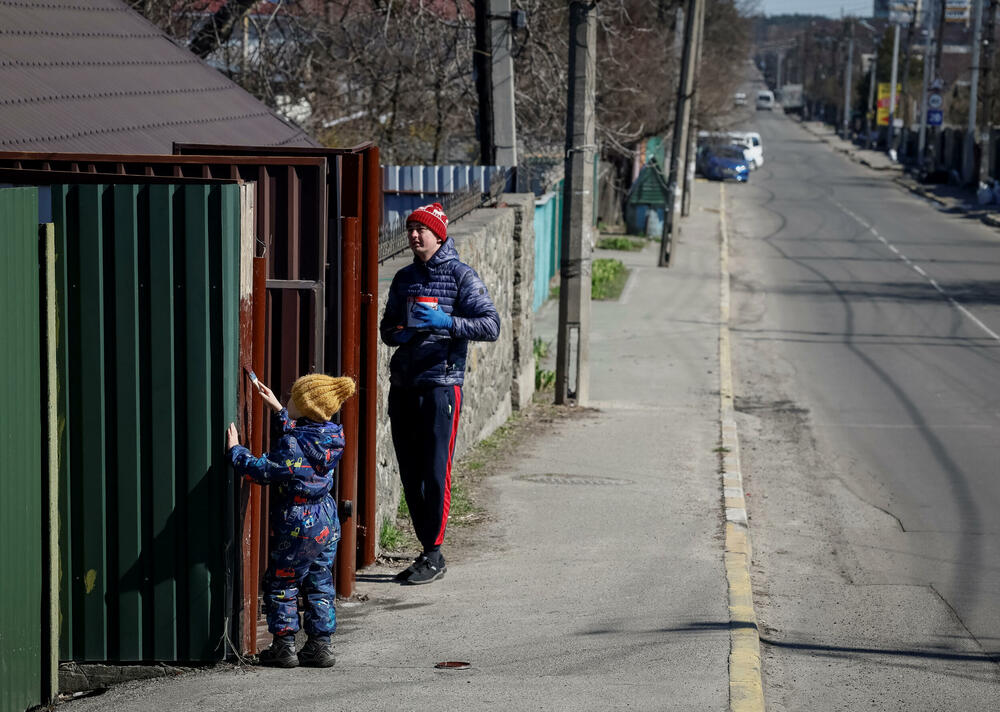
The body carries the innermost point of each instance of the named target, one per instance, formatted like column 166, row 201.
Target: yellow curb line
column 746, row 689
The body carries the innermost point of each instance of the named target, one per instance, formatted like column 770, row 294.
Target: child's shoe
column 281, row 652
column 317, row 652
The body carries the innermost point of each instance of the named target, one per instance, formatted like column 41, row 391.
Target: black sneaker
column 317, row 652
column 281, row 652
column 405, row 574
column 429, row 569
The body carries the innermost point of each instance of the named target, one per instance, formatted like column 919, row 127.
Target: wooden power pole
column 989, row 82
column 692, row 144
column 682, row 116
column 573, row 350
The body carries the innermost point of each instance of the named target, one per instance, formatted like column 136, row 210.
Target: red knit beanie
column 433, row 217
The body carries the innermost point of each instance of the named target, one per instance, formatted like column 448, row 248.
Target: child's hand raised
column 268, row 397
column 232, row 437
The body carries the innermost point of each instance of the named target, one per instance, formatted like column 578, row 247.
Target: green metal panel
column 21, row 463
column 126, row 465
column 64, row 223
column 88, row 493
column 198, row 382
column 153, row 340
column 162, row 453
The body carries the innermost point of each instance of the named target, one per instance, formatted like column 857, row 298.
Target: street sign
column 901, row 12
column 935, row 117
column 934, row 101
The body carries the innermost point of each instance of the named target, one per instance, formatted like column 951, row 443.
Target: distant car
column 717, row 162
column 739, row 99
column 765, row 100
column 755, row 148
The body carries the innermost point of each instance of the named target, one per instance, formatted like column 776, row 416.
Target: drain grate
column 557, row 479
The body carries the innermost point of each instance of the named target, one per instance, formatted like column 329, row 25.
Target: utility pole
column 989, row 89
column 847, row 85
column 872, row 79
column 692, row 143
column 928, row 75
column 939, row 34
column 892, row 85
column 502, row 84
column 483, row 65
column 682, row 113
column 969, row 149
column 573, row 350
column 917, row 12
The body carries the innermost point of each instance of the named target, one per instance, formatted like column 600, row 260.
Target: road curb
column 917, row 189
column 746, row 689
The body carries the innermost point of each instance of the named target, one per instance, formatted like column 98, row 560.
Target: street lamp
column 872, row 76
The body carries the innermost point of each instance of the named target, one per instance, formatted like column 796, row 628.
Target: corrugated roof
column 651, row 187
column 97, row 77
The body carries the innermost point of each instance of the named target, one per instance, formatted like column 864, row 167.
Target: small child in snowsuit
column 304, row 525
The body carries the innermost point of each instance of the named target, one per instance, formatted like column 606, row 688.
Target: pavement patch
column 552, row 479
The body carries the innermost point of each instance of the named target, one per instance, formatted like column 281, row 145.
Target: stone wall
column 499, row 244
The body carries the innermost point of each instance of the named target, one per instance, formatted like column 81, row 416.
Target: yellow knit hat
column 318, row 396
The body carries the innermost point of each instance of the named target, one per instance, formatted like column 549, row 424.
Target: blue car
column 723, row 162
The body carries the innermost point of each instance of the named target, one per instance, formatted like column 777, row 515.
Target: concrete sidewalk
column 604, row 586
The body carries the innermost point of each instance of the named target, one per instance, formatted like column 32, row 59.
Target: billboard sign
column 882, row 110
column 957, row 10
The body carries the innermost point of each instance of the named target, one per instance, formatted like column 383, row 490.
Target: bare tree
column 400, row 72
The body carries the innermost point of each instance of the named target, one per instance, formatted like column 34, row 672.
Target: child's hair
column 318, row 396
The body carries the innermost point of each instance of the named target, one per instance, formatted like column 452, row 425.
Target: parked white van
column 765, row 99
column 754, row 148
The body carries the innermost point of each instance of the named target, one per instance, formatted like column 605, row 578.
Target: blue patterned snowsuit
column 305, row 528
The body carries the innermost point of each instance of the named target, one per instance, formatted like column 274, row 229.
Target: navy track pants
column 424, row 427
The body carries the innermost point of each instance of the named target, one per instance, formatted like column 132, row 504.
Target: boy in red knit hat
column 436, row 305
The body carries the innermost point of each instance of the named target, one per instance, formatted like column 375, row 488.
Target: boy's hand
column 232, row 437
column 426, row 317
column 268, row 397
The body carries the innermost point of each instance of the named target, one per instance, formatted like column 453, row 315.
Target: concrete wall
column 499, row 244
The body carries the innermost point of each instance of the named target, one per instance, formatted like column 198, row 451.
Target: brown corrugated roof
column 97, row 77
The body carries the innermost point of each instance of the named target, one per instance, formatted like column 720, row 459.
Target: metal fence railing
column 392, row 234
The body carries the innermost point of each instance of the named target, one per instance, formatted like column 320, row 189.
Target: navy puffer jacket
column 437, row 357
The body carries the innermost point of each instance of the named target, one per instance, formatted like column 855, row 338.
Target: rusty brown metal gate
column 354, row 183
column 314, row 259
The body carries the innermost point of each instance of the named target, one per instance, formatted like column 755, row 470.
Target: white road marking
column 919, row 270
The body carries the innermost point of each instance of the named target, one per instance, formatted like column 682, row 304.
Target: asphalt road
column 866, row 346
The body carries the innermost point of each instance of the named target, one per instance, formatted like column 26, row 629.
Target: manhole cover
column 556, row 479
column 453, row 665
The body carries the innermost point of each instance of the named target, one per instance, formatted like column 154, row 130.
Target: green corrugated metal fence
column 148, row 298
column 21, row 461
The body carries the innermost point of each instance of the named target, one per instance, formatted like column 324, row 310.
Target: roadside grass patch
column 607, row 279
column 544, row 378
column 391, row 538
column 620, row 242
